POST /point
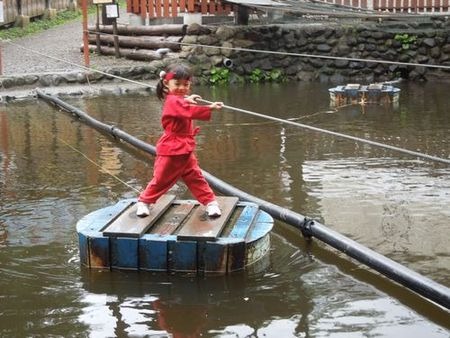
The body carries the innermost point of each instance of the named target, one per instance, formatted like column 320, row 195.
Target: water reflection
column 300, row 298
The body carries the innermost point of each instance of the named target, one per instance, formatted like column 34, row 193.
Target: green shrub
column 406, row 40
column 275, row 75
column 219, row 76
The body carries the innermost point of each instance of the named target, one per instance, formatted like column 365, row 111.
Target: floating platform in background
column 356, row 94
column 178, row 236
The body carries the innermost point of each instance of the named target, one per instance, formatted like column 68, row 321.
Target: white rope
column 96, row 164
column 406, row 151
column 317, row 56
column 325, row 131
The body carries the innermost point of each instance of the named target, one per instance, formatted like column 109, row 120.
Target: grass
column 40, row 25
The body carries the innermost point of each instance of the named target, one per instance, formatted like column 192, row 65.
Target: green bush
column 406, row 40
column 219, row 76
column 258, row 75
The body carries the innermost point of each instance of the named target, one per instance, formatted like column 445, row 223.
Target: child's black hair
column 180, row 71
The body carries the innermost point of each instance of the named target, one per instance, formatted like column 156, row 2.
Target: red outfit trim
column 175, row 158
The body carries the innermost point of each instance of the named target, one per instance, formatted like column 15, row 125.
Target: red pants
column 167, row 171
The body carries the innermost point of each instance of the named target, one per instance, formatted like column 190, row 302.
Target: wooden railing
column 171, row 8
column 32, row 8
column 412, row 6
column 407, row 6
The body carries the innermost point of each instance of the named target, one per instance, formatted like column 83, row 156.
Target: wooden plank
column 174, row 8
column 158, row 8
column 135, row 6
column 84, row 249
column 182, row 6
column 190, row 6
column 236, row 256
column 124, row 253
column 168, row 226
column 151, row 9
column 153, row 252
column 212, row 257
column 204, row 6
column 182, row 256
column 200, row 227
column 166, row 9
column 127, row 224
column 261, row 226
column 99, row 252
column 212, row 7
column 244, row 222
column 143, row 9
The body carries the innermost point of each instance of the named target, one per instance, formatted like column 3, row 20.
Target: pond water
column 54, row 170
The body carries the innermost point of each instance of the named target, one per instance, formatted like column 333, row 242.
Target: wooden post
column 242, row 15
column 85, row 33
column 1, row 20
column 1, row 61
column 116, row 37
column 97, row 34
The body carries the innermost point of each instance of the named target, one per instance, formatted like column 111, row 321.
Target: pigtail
column 161, row 89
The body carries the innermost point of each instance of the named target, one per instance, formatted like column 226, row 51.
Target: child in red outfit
column 175, row 156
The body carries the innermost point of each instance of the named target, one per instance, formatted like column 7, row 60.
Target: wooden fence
column 171, row 8
column 406, row 6
column 32, row 8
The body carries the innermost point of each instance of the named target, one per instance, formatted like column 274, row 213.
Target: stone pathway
column 62, row 42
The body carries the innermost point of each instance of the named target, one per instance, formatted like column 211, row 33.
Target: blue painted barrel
column 243, row 237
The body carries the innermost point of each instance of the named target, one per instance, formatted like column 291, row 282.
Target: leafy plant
column 258, row 75
column 219, row 76
column 276, row 75
column 406, row 40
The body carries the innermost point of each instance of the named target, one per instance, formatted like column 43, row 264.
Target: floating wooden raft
column 177, row 236
column 356, row 93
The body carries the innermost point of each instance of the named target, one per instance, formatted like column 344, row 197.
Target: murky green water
column 393, row 203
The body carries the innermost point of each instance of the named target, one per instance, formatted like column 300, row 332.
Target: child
column 175, row 156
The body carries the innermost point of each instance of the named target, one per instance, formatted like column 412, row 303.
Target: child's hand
column 192, row 98
column 216, row 105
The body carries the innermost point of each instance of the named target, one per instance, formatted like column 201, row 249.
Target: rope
column 96, row 164
column 317, row 56
column 305, row 55
column 357, row 139
column 325, row 131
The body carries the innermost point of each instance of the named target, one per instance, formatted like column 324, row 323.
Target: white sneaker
column 143, row 209
column 213, row 210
